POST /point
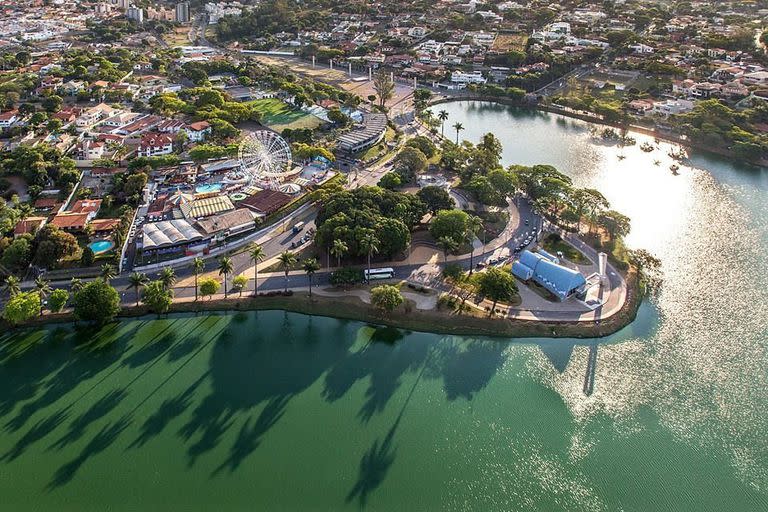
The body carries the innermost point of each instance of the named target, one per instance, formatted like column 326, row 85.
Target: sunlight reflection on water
column 703, row 369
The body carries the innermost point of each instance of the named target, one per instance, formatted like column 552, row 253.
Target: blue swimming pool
column 208, row 188
column 101, row 246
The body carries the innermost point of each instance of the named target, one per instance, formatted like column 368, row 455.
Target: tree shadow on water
column 100, row 442
column 383, row 361
column 271, row 362
column 249, row 437
column 378, row 459
column 170, row 408
column 99, row 409
column 39, row 431
column 466, row 370
column 104, row 348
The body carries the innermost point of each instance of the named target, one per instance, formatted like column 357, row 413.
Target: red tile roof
column 86, row 206
column 70, row 220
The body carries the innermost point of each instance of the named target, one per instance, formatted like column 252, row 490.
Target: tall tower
column 182, row 12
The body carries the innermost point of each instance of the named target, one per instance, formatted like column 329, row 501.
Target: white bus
column 379, row 273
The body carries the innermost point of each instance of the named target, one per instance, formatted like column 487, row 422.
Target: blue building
column 561, row 281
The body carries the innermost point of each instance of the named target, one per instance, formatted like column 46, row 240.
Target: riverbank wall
column 407, row 317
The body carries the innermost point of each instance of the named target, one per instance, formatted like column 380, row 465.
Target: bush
column 386, row 297
column 97, row 301
column 239, row 283
column 57, row 300
column 347, row 276
column 209, row 286
column 22, row 307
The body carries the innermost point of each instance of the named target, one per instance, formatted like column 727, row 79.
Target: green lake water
column 278, row 411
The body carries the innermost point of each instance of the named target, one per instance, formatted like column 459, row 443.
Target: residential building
column 197, row 132
column 182, row 12
column 155, row 144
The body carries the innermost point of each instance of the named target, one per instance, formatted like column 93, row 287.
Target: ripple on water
column 702, row 372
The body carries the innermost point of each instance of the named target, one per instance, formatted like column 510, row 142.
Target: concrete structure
column 182, row 12
column 136, row 14
column 370, row 133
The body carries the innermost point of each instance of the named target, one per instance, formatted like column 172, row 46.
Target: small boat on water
column 647, row 147
column 621, row 157
column 656, row 162
column 674, row 168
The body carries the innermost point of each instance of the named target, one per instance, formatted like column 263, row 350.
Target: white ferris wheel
column 265, row 157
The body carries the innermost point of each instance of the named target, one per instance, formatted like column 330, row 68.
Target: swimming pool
column 101, row 246
column 207, row 188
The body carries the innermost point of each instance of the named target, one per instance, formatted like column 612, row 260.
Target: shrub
column 347, row 276
column 209, row 286
column 58, row 299
column 22, row 307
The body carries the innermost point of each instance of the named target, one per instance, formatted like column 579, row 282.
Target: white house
column 672, row 107
column 197, row 132
column 92, row 150
column 155, row 144
column 475, row 77
column 8, row 119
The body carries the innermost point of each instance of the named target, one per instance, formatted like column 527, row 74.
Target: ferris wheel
column 265, row 156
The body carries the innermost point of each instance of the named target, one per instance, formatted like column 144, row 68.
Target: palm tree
column 257, row 255
column 287, row 260
column 168, row 277
column 474, row 225
column 370, row 244
column 136, row 281
column 311, row 266
column 107, row 272
column 198, row 266
column 458, row 127
column 43, row 288
column 225, row 268
column 118, row 237
column 12, row 285
column 443, row 117
column 447, row 244
column 339, row 249
column 76, row 285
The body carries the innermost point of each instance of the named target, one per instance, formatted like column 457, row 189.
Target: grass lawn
column 278, row 115
column 178, row 37
column 554, row 244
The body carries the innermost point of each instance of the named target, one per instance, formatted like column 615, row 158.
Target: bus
column 379, row 273
column 298, row 227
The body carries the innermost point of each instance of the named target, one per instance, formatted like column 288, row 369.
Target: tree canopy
column 96, row 301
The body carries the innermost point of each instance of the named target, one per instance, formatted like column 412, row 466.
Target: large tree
column 157, row 297
column 386, row 297
column 452, row 224
column 97, row 302
column 52, row 244
column 497, row 285
column 384, row 87
column 436, row 198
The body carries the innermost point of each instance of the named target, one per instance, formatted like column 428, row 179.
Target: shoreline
column 407, row 318
column 665, row 136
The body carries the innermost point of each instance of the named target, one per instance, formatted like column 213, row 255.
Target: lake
column 280, row 411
